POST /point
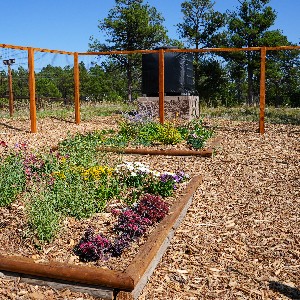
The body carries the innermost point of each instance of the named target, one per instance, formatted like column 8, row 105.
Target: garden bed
column 50, row 200
column 132, row 279
column 240, row 237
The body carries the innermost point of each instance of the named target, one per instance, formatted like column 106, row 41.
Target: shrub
column 168, row 134
column 73, row 196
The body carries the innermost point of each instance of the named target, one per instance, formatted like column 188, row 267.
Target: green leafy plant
column 198, row 134
column 43, row 219
column 12, row 178
column 137, row 130
column 168, row 134
column 81, row 148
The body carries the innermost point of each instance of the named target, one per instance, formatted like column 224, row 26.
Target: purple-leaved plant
column 92, row 247
column 132, row 223
column 152, row 207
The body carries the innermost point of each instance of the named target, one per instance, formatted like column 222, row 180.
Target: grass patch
column 88, row 110
column 283, row 115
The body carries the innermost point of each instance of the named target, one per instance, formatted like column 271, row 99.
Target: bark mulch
column 241, row 236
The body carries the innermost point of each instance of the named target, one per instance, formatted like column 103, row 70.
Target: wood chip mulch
column 241, row 236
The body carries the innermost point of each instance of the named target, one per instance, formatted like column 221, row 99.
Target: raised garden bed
column 108, row 284
column 43, row 189
column 73, row 159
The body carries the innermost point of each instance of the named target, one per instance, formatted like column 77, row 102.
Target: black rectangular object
column 179, row 74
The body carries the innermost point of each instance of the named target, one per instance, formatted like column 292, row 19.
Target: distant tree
column 212, row 82
column 200, row 23
column 200, row 29
column 248, row 27
column 84, row 78
column 45, row 87
column 62, row 78
column 3, row 83
column 20, row 82
column 130, row 25
column 282, row 72
column 105, row 84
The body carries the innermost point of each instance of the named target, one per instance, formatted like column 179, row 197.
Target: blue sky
column 68, row 24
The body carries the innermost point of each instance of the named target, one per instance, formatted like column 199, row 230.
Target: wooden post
column 76, row 88
column 262, row 90
column 161, row 86
column 32, row 90
column 11, row 99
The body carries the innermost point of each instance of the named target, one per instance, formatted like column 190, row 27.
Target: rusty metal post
column 161, row 86
column 32, row 90
column 76, row 89
column 262, row 103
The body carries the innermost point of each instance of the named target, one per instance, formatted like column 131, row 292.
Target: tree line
column 223, row 78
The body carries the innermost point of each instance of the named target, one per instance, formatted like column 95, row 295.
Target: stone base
column 176, row 107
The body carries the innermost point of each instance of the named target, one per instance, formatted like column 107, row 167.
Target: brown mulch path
column 241, row 236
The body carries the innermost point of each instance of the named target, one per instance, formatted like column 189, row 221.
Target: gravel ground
column 241, row 236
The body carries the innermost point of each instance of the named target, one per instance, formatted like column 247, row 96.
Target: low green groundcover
column 135, row 129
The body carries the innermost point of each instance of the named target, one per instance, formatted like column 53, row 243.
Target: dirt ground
column 241, row 236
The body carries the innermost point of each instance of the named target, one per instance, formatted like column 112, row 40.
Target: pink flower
column 2, row 143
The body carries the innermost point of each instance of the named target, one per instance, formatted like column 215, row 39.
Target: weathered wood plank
column 62, row 271
column 169, row 152
column 95, row 291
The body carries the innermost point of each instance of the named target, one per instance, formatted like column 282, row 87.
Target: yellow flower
column 95, row 173
column 59, row 174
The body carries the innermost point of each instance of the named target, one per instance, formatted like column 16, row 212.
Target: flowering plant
column 140, row 178
column 139, row 129
column 132, row 223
